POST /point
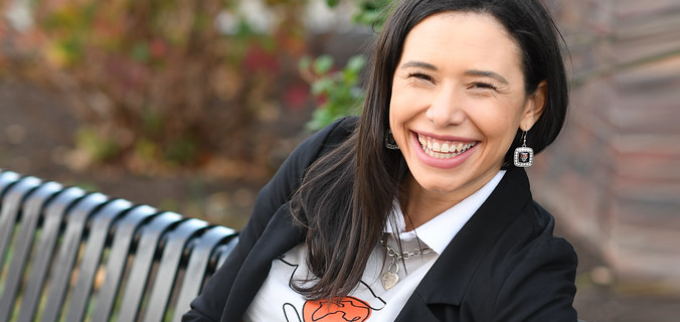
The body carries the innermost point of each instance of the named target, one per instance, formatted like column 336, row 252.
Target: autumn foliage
column 166, row 85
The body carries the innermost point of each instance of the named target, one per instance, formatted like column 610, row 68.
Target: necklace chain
column 395, row 255
column 390, row 277
column 391, row 252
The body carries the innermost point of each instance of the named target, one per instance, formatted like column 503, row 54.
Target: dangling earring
column 390, row 143
column 524, row 155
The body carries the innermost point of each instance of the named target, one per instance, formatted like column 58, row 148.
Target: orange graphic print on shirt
column 347, row 309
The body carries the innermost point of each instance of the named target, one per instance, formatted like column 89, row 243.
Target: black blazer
column 504, row 264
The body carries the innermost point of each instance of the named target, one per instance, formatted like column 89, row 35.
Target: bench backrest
column 70, row 255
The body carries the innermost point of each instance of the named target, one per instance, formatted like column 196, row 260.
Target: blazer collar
column 447, row 280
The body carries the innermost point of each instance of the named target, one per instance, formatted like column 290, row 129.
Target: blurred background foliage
column 167, row 85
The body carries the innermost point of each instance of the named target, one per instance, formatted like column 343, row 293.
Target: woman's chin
column 439, row 188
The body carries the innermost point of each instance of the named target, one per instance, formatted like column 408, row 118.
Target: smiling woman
column 421, row 209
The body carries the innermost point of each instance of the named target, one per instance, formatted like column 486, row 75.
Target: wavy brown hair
column 347, row 194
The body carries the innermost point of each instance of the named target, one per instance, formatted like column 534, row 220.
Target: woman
column 420, row 210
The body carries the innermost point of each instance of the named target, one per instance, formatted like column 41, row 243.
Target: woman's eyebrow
column 418, row 64
column 486, row 73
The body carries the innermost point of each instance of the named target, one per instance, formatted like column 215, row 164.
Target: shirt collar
column 440, row 230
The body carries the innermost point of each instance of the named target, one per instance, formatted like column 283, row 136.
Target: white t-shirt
column 369, row 301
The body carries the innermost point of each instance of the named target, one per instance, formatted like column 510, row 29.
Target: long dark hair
column 347, row 194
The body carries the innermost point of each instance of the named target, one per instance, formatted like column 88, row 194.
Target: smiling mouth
column 443, row 149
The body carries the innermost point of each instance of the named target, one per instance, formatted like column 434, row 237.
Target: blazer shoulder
column 533, row 236
column 339, row 131
column 538, row 279
column 324, row 140
column 541, row 286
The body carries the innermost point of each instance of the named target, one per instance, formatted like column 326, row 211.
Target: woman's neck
column 420, row 206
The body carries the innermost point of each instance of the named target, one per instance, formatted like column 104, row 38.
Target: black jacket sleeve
column 208, row 306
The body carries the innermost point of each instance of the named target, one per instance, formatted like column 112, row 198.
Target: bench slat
column 94, row 249
column 11, row 210
column 175, row 243
column 142, row 263
column 31, row 214
column 224, row 251
column 123, row 239
column 7, row 178
column 68, row 251
column 199, row 264
column 42, row 258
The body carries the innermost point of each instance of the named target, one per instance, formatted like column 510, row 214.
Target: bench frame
column 66, row 254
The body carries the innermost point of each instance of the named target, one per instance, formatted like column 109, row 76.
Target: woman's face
column 457, row 101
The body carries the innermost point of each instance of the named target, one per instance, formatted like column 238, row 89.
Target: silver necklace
column 390, row 277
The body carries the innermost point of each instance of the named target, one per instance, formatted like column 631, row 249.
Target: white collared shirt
column 369, row 301
column 438, row 232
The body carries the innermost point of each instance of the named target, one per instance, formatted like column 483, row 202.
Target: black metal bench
column 70, row 255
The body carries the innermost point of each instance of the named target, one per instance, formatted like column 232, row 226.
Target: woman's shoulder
column 540, row 243
column 328, row 137
column 322, row 141
column 528, row 223
column 341, row 129
column 347, row 123
column 529, row 239
column 530, row 270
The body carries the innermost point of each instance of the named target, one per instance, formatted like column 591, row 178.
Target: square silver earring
column 390, row 143
column 524, row 155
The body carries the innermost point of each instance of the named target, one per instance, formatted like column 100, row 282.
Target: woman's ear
column 534, row 106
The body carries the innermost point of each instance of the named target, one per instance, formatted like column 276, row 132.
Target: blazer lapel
column 448, row 279
column 416, row 309
column 281, row 235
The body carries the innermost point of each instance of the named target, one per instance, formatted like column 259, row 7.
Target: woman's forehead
column 460, row 35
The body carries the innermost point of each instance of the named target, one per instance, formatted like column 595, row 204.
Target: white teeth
column 443, row 150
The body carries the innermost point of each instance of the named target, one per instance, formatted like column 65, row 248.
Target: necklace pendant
column 389, row 280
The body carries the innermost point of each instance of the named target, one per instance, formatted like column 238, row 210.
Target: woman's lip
column 443, row 137
column 449, row 163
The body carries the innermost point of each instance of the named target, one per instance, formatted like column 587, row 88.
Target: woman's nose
column 445, row 109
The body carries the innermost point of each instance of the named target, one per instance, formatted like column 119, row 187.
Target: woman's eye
column 421, row 76
column 484, row 86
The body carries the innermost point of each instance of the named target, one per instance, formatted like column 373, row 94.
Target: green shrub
column 339, row 91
